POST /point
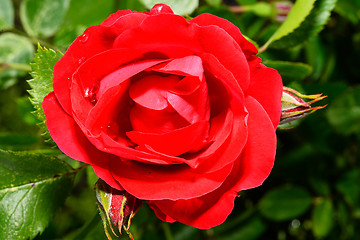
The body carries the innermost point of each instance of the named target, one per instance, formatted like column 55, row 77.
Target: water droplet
column 88, row 93
column 83, row 38
column 81, row 60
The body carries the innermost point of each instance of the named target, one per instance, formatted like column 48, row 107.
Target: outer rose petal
column 207, row 19
column 72, row 141
column 266, row 87
column 154, row 182
column 96, row 39
column 249, row 171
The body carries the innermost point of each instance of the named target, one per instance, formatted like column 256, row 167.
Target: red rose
column 179, row 113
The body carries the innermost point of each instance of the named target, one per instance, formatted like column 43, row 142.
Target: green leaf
column 32, row 188
column 285, row 203
column 348, row 185
column 14, row 49
column 42, row 18
column 88, row 12
column 214, row 3
column 349, row 9
column 92, row 230
column 41, row 85
column 313, row 24
column 291, row 70
column 92, row 178
column 179, row 7
column 344, row 112
column 323, row 218
column 6, row 14
column 296, row 16
column 134, row 5
column 250, row 230
column 18, row 141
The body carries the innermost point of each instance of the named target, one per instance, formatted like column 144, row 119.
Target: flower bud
column 282, row 10
column 295, row 107
column 116, row 207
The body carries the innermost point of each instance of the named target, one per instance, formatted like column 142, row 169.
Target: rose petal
column 151, row 182
column 189, row 65
column 125, row 72
column 161, row 121
column 176, row 142
column 150, row 91
column 95, row 40
column 266, row 87
column 207, row 19
column 158, row 34
column 251, row 169
column 259, row 152
column 204, row 212
column 67, row 134
column 211, row 37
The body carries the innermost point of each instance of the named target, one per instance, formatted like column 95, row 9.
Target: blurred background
column 313, row 191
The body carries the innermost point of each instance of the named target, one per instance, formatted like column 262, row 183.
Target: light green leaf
column 41, row 85
column 296, row 16
column 14, row 49
column 6, row 14
column 179, row 7
column 313, row 24
column 42, row 18
column 291, row 70
column 32, row 188
column 285, row 203
column 323, row 218
column 344, row 113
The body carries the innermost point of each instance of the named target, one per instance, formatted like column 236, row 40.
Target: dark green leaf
column 18, row 141
column 344, row 113
column 6, row 14
column 285, row 203
column 42, row 18
column 14, row 49
column 29, row 196
column 296, row 16
column 252, row 229
column 179, row 7
column 290, row 70
column 92, row 230
column 323, row 218
column 41, row 85
column 313, row 24
column 348, row 185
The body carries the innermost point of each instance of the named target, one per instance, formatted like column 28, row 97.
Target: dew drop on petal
column 81, row 60
column 83, row 38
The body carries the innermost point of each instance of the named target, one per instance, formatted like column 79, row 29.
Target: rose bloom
column 178, row 113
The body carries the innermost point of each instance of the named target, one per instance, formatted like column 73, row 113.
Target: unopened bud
column 116, row 207
column 295, row 107
column 282, row 10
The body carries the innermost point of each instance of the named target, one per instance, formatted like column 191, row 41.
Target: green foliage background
column 313, row 191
